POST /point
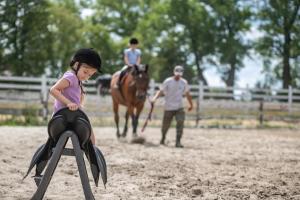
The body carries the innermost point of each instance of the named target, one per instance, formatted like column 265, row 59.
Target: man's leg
column 180, row 116
column 167, row 119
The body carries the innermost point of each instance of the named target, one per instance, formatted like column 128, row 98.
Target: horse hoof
column 118, row 135
column 138, row 140
column 123, row 135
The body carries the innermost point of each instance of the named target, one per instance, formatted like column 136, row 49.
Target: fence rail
column 200, row 93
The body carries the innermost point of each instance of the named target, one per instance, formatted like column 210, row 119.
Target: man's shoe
column 179, row 145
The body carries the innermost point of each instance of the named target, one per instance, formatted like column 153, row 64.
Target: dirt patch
column 215, row 164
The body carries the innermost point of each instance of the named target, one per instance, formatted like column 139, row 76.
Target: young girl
column 68, row 91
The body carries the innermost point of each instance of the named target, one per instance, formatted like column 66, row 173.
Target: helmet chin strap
column 76, row 72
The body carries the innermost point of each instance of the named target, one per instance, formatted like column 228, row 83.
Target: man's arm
column 189, row 98
column 158, row 94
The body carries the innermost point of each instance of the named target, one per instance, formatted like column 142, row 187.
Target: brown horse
column 132, row 94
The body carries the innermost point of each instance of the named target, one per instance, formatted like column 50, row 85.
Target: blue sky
column 247, row 76
column 250, row 74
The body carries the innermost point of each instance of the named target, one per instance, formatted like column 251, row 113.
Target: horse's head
column 140, row 80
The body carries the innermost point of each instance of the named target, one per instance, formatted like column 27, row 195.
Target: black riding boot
column 163, row 138
column 120, row 78
column 178, row 138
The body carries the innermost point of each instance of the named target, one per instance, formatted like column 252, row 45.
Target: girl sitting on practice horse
column 132, row 56
column 68, row 90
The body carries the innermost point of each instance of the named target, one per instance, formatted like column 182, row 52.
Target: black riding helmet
column 133, row 41
column 88, row 56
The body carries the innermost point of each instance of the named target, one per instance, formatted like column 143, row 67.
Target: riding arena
column 234, row 157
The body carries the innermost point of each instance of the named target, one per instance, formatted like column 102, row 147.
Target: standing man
column 174, row 88
column 132, row 56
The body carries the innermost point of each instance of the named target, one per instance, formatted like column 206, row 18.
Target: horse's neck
column 128, row 87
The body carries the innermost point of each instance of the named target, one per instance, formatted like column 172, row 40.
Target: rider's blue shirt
column 132, row 55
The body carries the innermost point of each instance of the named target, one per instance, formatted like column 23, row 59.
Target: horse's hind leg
column 126, row 124
column 116, row 113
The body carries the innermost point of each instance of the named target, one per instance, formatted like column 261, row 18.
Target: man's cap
column 178, row 67
column 88, row 56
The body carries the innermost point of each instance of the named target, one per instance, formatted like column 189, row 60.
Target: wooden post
column 152, row 88
column 261, row 112
column 290, row 99
column 199, row 102
column 44, row 96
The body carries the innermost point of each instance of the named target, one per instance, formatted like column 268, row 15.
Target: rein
column 149, row 115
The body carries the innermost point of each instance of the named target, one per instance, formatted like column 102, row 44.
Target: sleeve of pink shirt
column 71, row 77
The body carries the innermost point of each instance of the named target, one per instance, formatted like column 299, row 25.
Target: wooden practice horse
column 132, row 94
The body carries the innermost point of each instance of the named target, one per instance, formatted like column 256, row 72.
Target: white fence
column 40, row 86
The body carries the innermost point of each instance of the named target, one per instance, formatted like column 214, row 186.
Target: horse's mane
column 139, row 68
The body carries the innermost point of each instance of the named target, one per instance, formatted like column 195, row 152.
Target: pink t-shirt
column 73, row 92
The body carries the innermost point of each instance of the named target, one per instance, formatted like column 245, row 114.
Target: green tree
column 161, row 43
column 67, row 33
column 99, row 38
column 280, row 21
column 23, row 34
column 196, row 23
column 111, row 26
column 233, row 20
column 119, row 17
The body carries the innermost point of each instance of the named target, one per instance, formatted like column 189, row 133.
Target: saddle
column 77, row 122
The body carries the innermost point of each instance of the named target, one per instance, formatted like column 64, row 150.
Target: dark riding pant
column 122, row 74
column 167, row 119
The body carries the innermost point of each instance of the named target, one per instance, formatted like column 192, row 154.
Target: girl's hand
column 72, row 106
column 190, row 108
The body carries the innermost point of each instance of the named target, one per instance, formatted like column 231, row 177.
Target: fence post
column 261, row 112
column 290, row 99
column 199, row 102
column 152, row 88
column 44, row 96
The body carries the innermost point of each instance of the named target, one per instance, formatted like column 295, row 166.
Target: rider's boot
column 118, row 84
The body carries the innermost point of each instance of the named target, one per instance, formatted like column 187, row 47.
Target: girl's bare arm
column 56, row 89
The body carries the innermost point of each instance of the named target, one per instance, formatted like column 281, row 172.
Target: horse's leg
column 135, row 119
column 134, row 124
column 126, row 124
column 129, row 112
column 116, row 113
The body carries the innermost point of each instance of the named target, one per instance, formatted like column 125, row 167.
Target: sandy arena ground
column 215, row 164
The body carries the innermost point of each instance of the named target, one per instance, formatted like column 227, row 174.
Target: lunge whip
column 149, row 116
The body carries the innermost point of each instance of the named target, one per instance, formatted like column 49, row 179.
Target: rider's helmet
column 133, row 41
column 88, row 56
